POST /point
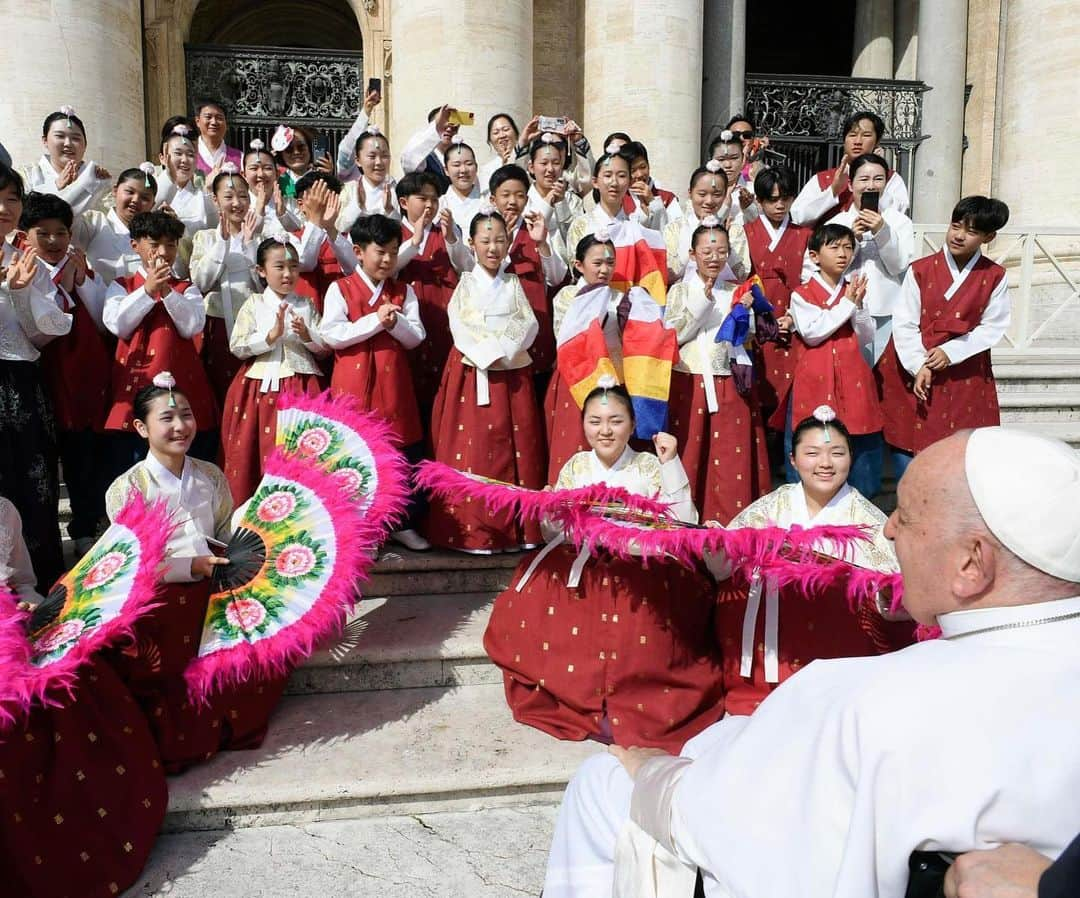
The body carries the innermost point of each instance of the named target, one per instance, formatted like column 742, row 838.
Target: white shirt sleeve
column 348, row 170
column 988, row 332
column 187, row 310
column 812, row 202
column 420, row 145
column 83, row 192
column 406, row 254
column 124, row 311
column 461, row 256
column 92, row 294
column 815, row 324
column 554, row 266
column 343, row 252
column 336, row 330
column 408, row 329
column 907, row 337
column 208, row 261
column 895, row 195
column 675, row 489
column 895, row 242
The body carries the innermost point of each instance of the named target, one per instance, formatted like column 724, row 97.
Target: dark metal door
column 263, row 87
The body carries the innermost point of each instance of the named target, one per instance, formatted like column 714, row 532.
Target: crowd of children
column 443, row 301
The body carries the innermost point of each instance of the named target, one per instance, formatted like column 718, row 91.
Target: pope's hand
column 633, row 758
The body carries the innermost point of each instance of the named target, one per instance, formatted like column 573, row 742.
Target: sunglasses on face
column 744, row 135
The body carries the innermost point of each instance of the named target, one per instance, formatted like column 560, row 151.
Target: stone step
column 1069, row 431
column 1036, row 406
column 1014, row 378
column 493, row 853
column 403, row 642
column 439, row 572
column 388, row 753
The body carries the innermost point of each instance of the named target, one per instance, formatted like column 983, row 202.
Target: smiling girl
column 105, row 237
column 598, row 647
column 820, row 626
column 276, row 333
column 167, row 638
column 486, row 420
column 63, row 169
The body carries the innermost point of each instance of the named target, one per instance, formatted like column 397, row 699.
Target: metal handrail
column 1033, row 252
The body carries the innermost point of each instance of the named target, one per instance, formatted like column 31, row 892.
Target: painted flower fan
column 354, row 445
column 95, row 605
column 300, row 548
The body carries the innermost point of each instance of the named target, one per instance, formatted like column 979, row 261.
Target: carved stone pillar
column 87, row 55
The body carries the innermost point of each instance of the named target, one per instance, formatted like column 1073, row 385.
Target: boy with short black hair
column 656, row 205
column 835, row 328
column 325, row 255
column 432, row 253
column 156, row 317
column 936, row 377
column 531, row 257
column 76, row 365
column 771, row 246
column 371, row 321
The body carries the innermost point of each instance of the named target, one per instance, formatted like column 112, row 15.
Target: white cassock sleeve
column 988, row 332
column 208, row 259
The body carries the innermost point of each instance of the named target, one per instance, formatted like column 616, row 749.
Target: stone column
column 1038, row 130
column 872, row 55
column 723, row 88
column 643, row 75
column 905, row 38
column 477, row 56
column 941, row 59
column 84, row 54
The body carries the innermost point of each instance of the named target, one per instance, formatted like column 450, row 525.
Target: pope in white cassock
column 959, row 743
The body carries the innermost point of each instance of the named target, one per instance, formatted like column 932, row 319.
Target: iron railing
column 263, row 87
column 1044, row 282
column 802, row 116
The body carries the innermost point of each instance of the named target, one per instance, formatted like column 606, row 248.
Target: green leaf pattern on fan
column 298, row 532
column 338, row 448
column 97, row 587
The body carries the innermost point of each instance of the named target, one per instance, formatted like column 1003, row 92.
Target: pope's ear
column 976, row 569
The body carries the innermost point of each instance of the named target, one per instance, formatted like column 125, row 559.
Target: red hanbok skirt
column 628, row 656
column 778, row 372
column 823, row 626
column 166, row 640
column 218, row 360
column 82, row 794
column 428, row 360
column 503, row 440
column 249, row 427
column 562, row 422
column 724, row 453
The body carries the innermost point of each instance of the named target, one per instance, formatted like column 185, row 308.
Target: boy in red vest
column 531, row 258
column 156, row 318
column 76, row 365
column 935, row 377
column 432, row 253
column 371, row 320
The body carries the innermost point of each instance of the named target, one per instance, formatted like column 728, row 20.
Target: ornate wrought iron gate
column 263, row 87
column 802, row 117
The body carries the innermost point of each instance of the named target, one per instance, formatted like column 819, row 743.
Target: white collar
column 117, row 225
column 954, row 270
column 840, row 497
column 211, row 157
column 376, row 289
column 621, row 462
column 271, row 295
column 486, row 280
column 473, row 194
column 959, row 623
column 834, row 292
column 368, row 186
column 775, row 233
column 602, row 217
column 164, row 476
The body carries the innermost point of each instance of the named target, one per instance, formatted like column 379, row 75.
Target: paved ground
column 497, row 853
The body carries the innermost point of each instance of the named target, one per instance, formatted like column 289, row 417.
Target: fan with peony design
column 94, row 606
column 354, row 445
column 301, row 548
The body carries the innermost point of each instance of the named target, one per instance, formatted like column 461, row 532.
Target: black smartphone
column 374, row 84
column 870, row 200
column 321, row 148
